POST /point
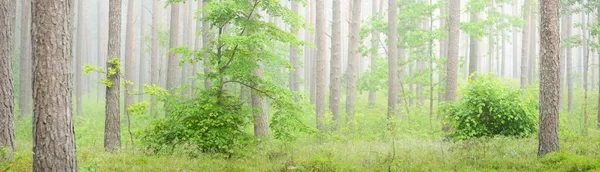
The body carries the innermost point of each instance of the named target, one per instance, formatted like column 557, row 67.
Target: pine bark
column 353, row 60
column 453, row 42
column 392, row 59
column 25, row 79
column 336, row 51
column 7, row 108
column 549, row 78
column 321, row 26
column 112, row 127
column 53, row 130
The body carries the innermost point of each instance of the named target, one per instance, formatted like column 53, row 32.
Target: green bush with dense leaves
column 209, row 123
column 489, row 107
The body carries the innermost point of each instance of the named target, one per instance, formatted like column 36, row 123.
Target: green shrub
column 212, row 122
column 491, row 107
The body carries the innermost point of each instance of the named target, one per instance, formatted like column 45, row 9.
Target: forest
column 299, row 85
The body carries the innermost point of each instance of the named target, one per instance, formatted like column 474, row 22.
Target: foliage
column 211, row 123
column 489, row 108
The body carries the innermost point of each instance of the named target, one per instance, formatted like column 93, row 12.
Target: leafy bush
column 211, row 122
column 490, row 107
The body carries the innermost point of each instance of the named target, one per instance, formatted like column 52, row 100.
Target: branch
column 251, row 87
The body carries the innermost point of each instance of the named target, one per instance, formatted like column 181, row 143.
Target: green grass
column 416, row 144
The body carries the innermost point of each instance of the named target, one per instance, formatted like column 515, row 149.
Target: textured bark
column 321, row 29
column 549, row 78
column 525, row 42
column 295, row 72
column 453, row 41
column 25, row 79
column 112, row 127
column 154, row 66
column 53, row 130
column 353, row 60
column 206, row 45
column 474, row 49
column 7, row 108
column 336, row 51
column 261, row 117
column 129, row 68
column 79, row 57
column 173, row 60
column 392, row 58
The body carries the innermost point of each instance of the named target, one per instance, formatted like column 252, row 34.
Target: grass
column 416, row 144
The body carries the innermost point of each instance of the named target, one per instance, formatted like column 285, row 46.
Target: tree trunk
column 453, row 41
column 374, row 53
column 336, row 51
column 515, row 44
column 7, row 108
column 112, row 127
column 206, row 42
column 353, row 60
column 185, row 38
column 443, row 54
column 474, row 50
column 101, row 46
column 129, row 55
column 598, row 117
column 295, row 72
column 525, row 42
column 25, row 81
column 321, row 28
column 569, row 67
column 53, row 130
column 154, row 66
column 261, row 117
column 173, row 60
column 142, row 73
column 586, row 57
column 550, row 77
column 392, row 59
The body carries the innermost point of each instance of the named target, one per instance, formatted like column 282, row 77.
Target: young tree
column 453, row 41
column 53, row 130
column 336, row 71
column 392, row 58
column 129, row 54
column 112, row 126
column 25, row 81
column 7, row 109
column 549, row 78
column 321, row 29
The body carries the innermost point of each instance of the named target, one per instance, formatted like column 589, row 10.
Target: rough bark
column 453, row 41
column 129, row 68
column 336, row 51
column 25, row 79
column 549, row 78
column 7, row 108
column 112, row 127
column 53, row 130
column 154, row 66
column 392, row 58
column 321, row 58
column 474, row 49
column 525, row 41
column 353, row 60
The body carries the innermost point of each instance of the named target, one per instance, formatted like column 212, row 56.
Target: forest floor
column 415, row 145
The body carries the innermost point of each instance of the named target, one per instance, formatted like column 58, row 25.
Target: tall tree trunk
column 154, row 66
column 142, row 73
column 598, row 117
column 443, row 54
column 550, row 77
column 79, row 57
column 313, row 58
column 101, row 46
column 112, row 126
column 185, row 42
column 532, row 48
column 25, row 81
column 453, row 41
column 353, row 60
column 7, row 108
column 336, row 51
column 53, row 130
column 261, row 117
column 173, row 60
column 206, row 42
column 515, row 51
column 586, row 57
column 504, row 51
column 321, row 28
column 474, row 50
column 295, row 72
column 129, row 55
column 525, row 42
column 198, row 45
column 392, row 59
column 569, row 64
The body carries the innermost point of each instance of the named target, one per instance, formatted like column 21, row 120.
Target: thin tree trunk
column 53, row 130
column 586, row 57
column 515, row 44
column 79, row 58
column 392, row 59
column 112, row 126
column 353, row 60
column 569, row 67
column 261, row 117
column 321, row 58
column 336, row 51
column 206, row 44
column 173, row 60
column 453, row 41
column 525, row 42
column 474, row 50
column 7, row 108
column 142, row 73
column 25, row 79
column 154, row 66
column 129, row 68
column 295, row 72
column 550, row 78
